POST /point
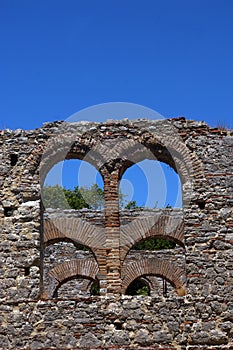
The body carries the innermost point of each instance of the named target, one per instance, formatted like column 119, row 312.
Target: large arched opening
column 72, row 190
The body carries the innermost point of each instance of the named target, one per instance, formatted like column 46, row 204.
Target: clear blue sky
column 58, row 57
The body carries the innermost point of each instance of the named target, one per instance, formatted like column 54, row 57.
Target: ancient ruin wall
column 203, row 318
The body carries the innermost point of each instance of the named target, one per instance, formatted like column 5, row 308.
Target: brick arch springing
column 160, row 225
column 143, row 267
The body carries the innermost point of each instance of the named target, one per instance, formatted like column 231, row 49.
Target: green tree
column 78, row 198
column 94, row 196
column 75, row 198
column 54, row 197
column 121, row 199
column 132, row 205
column 145, row 290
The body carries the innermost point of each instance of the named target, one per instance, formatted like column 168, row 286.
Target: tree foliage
column 94, row 196
column 78, row 198
column 153, row 243
column 132, row 205
column 54, row 197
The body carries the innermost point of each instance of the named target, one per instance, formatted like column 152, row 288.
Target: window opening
column 138, row 287
column 8, row 211
column 150, row 184
column 73, row 184
column 201, row 204
column 14, row 159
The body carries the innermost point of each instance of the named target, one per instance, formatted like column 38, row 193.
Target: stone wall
column 119, row 323
column 196, row 314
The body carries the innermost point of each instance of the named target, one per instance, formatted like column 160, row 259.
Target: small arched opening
column 75, row 287
column 63, row 258
column 140, row 286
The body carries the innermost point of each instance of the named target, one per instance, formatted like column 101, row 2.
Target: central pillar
column 112, row 230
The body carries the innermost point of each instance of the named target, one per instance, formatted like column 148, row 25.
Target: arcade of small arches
column 109, row 242
column 87, row 267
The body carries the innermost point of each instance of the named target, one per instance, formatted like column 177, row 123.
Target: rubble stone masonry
column 40, row 266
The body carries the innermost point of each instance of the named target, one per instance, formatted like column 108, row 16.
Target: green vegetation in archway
column 138, row 287
column 153, row 243
column 95, row 288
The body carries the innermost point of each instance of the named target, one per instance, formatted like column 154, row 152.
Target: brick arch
column 73, row 269
column 165, row 145
column 64, row 144
column 76, row 230
column 119, row 150
column 153, row 266
column 64, row 147
column 160, row 225
column 188, row 161
column 153, row 135
column 128, row 150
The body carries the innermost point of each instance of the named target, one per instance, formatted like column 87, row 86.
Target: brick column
column 112, row 229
